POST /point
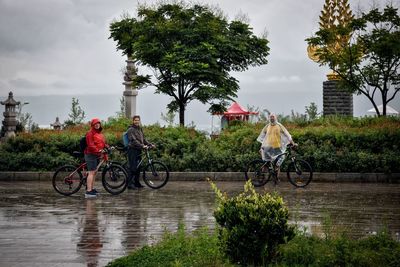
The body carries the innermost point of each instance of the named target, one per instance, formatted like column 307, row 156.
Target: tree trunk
column 182, row 115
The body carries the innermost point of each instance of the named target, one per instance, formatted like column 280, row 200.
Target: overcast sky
column 61, row 47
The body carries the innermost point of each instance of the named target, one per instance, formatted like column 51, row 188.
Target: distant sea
column 44, row 109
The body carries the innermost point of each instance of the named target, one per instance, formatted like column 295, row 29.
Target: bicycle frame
column 287, row 154
column 149, row 159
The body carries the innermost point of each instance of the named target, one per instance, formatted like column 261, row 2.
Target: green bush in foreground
column 177, row 249
column 252, row 225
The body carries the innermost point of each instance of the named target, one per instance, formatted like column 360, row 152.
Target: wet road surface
column 39, row 227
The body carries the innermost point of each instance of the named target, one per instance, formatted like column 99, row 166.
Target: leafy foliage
column 312, row 111
column 77, row 114
column 192, row 49
column 330, row 144
column 377, row 250
column 251, row 225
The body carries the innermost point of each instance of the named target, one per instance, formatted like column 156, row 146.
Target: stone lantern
column 56, row 125
column 10, row 116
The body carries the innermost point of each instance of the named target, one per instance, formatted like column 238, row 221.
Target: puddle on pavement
column 47, row 228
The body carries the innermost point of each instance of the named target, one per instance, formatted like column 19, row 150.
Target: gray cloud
column 23, row 83
column 50, row 47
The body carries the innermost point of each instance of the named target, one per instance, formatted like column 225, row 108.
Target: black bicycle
column 68, row 179
column 155, row 174
column 299, row 172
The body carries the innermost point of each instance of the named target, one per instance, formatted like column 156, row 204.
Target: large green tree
column 192, row 49
column 369, row 63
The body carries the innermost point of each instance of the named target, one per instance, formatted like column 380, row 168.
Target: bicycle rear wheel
column 299, row 173
column 256, row 173
column 67, row 180
column 114, row 179
column 155, row 175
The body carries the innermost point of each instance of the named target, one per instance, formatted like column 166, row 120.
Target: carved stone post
column 131, row 91
column 10, row 116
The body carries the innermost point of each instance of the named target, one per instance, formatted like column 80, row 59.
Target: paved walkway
column 38, row 227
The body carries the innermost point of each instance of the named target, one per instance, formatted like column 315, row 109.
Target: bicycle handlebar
column 107, row 150
column 124, row 149
column 292, row 146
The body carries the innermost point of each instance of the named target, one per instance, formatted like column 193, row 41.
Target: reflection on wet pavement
column 42, row 228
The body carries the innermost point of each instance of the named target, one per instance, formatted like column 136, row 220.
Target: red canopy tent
column 234, row 112
column 237, row 112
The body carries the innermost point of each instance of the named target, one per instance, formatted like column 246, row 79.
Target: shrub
column 330, row 144
column 377, row 250
column 251, row 225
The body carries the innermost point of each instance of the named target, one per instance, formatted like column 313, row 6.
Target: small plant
column 251, row 225
column 121, row 112
column 77, row 114
column 168, row 117
column 312, row 111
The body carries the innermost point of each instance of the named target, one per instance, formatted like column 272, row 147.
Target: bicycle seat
column 77, row 154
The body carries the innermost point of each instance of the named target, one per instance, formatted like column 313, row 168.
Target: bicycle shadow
column 90, row 243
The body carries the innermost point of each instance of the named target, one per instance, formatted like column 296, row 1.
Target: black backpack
column 82, row 143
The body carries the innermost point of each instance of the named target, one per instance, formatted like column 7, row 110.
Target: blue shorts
column 91, row 161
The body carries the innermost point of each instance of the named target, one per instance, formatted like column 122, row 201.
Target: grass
column 201, row 249
column 178, row 249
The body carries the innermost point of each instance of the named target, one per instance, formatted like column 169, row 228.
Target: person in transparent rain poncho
column 274, row 138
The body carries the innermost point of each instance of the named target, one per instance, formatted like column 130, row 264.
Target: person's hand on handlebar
column 149, row 146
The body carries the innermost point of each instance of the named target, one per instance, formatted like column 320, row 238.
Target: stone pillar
column 10, row 116
column 335, row 101
column 131, row 91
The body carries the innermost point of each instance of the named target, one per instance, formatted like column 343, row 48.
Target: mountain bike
column 68, row 179
column 299, row 172
column 155, row 173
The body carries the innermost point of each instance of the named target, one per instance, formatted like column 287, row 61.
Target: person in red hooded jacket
column 95, row 144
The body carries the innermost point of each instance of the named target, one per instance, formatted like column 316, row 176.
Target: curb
column 229, row 176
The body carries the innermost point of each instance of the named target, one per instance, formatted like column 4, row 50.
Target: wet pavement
column 39, row 227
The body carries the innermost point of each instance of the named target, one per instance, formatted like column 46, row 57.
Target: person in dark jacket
column 93, row 152
column 137, row 142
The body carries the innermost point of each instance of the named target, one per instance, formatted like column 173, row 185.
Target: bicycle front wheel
column 257, row 172
column 114, row 179
column 155, row 175
column 299, row 173
column 67, row 180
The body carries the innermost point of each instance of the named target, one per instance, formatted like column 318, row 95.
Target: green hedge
column 329, row 144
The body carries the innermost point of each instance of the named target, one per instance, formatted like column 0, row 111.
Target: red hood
column 94, row 121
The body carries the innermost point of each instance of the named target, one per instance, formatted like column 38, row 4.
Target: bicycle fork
column 296, row 168
column 153, row 170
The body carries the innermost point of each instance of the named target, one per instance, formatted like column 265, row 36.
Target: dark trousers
column 134, row 157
